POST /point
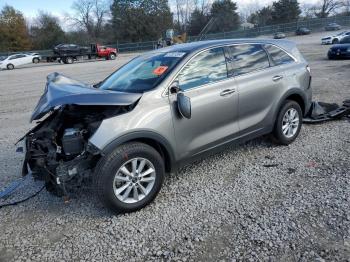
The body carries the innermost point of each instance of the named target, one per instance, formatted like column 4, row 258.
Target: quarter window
column 207, row 67
column 247, row 58
column 278, row 56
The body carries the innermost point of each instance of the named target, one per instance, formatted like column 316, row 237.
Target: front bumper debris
column 321, row 112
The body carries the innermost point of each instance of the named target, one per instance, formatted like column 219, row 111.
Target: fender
column 132, row 136
column 292, row 91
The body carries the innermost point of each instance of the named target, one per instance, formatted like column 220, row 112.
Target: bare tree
column 90, row 15
column 308, row 10
column 184, row 9
column 247, row 9
column 346, row 5
column 327, row 7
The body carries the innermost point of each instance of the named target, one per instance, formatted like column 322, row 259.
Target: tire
column 36, row 60
column 10, row 66
column 69, row 60
column 112, row 56
column 107, row 169
column 335, row 41
column 279, row 134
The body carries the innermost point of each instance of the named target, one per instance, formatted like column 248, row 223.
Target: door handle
column 227, row 92
column 277, row 78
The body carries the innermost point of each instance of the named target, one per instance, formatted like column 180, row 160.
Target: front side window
column 207, row 67
column 247, row 58
column 142, row 73
column 278, row 56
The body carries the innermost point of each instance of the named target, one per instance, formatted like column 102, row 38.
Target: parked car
column 162, row 110
column 341, row 50
column 279, row 35
column 12, row 61
column 334, row 39
column 332, row 27
column 70, row 49
column 303, row 31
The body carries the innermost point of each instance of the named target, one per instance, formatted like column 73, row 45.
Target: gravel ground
column 230, row 206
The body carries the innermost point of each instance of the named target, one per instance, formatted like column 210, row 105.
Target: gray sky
column 30, row 7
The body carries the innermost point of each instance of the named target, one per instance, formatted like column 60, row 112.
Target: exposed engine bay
column 57, row 150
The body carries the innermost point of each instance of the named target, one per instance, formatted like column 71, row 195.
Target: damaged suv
column 162, row 110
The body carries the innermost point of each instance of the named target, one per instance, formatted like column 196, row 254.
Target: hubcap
column 290, row 122
column 134, row 180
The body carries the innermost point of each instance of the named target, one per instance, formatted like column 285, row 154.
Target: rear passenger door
column 259, row 87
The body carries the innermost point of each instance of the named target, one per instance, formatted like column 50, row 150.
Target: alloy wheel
column 134, row 180
column 290, row 122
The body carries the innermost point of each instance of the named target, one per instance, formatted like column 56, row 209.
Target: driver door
column 214, row 103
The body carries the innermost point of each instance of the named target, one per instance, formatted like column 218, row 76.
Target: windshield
column 142, row 73
column 2, row 58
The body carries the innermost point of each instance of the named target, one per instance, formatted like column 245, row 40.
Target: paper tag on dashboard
column 160, row 70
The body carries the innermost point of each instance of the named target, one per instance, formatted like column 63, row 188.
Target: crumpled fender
column 61, row 90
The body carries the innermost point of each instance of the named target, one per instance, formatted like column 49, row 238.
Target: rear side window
column 278, row 56
column 207, row 67
column 247, row 58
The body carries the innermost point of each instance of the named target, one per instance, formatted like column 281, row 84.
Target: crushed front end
column 57, row 150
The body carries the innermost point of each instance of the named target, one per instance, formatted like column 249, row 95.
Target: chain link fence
column 316, row 24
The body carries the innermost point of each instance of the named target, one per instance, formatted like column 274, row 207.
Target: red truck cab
column 104, row 52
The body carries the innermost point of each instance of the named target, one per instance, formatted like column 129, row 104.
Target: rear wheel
column 335, row 41
column 130, row 177
column 288, row 123
column 112, row 56
column 36, row 60
column 69, row 60
column 10, row 66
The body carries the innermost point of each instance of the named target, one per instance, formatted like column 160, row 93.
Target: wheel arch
column 152, row 139
column 294, row 94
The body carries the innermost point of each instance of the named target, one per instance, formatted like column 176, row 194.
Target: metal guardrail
column 313, row 23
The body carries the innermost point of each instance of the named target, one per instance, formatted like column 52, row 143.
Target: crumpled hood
column 61, row 90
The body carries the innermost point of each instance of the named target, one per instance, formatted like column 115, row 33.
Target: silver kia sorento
column 162, row 110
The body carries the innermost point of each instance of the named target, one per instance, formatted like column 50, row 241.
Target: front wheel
column 335, row 41
column 130, row 177
column 288, row 123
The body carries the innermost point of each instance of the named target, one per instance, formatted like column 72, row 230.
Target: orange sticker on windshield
column 160, row 70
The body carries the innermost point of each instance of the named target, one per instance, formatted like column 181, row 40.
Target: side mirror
column 184, row 105
column 174, row 89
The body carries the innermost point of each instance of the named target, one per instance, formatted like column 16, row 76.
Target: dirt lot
column 225, row 207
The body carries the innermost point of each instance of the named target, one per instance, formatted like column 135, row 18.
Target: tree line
column 145, row 20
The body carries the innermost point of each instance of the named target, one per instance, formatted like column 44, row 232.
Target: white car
column 12, row 61
column 335, row 39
